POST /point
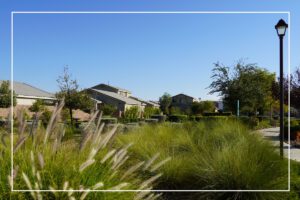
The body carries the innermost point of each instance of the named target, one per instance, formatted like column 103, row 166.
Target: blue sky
column 148, row 54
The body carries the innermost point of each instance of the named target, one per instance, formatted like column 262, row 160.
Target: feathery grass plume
column 97, row 136
column 98, row 185
column 108, row 155
column 32, row 162
column 86, row 164
column 21, row 121
column 58, row 139
column 52, row 189
column 27, row 181
column 66, row 185
column 70, row 192
column 10, row 181
column 84, row 194
column 150, row 161
column 19, row 143
column 92, row 154
column 149, row 197
column 91, row 120
column 15, row 172
column 34, row 125
column 141, row 195
column 132, row 169
column 55, row 114
column 120, row 163
column 119, row 187
column 3, row 136
column 108, row 137
column 99, row 121
column 38, row 176
column 156, row 196
column 72, row 198
column 158, row 165
column 41, row 160
column 117, row 159
column 149, row 181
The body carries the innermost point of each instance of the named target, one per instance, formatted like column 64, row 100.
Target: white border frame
column 150, row 12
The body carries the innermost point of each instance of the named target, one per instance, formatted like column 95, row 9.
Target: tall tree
column 74, row 99
column 5, row 95
column 165, row 101
column 295, row 89
column 248, row 83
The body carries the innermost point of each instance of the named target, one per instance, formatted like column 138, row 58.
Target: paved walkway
column 273, row 135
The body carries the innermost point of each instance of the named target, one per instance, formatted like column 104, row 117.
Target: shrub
column 177, row 118
column 45, row 117
column 131, row 114
column 108, row 109
column 47, row 162
column 211, row 155
column 109, row 120
column 160, row 118
column 149, row 111
column 209, row 114
column 37, row 106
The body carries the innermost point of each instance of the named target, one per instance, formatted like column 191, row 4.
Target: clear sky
column 148, row 54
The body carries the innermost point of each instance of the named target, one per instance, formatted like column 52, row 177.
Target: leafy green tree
column 148, row 111
column 295, row 89
column 5, row 95
column 132, row 113
column 108, row 109
column 37, row 106
column 203, row 106
column 74, row 99
column 165, row 101
column 248, row 83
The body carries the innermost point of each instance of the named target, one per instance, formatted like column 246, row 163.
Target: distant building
column 146, row 103
column 27, row 94
column 115, row 96
column 183, row 101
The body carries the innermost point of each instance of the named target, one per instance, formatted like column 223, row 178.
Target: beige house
column 27, row 94
column 115, row 96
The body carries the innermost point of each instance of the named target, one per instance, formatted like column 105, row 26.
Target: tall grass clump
column 211, row 155
column 44, row 160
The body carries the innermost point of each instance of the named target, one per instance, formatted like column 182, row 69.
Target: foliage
column 107, row 109
column 165, row 101
column 177, row 118
column 198, row 108
column 174, row 110
column 295, row 89
column 131, row 114
column 74, row 99
column 37, row 106
column 149, row 111
column 46, row 161
column 211, row 155
column 45, row 117
column 248, row 83
column 5, row 95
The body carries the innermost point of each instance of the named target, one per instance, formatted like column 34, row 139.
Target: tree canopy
column 248, row 83
column 165, row 101
column 5, row 95
column 69, row 91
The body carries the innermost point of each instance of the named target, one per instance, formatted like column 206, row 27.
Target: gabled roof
column 144, row 101
column 118, row 97
column 25, row 89
column 181, row 94
column 114, row 87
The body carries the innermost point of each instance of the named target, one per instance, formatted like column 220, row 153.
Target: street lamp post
column 281, row 27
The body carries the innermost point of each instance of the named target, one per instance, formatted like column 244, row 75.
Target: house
column 146, row 103
column 27, row 94
column 115, row 96
column 183, row 101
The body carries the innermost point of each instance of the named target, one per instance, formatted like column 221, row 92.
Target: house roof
column 181, row 94
column 118, row 97
column 25, row 89
column 144, row 101
column 118, row 88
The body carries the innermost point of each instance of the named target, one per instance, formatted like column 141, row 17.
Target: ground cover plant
column 211, row 155
column 45, row 160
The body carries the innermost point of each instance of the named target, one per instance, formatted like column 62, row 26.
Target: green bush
column 209, row 114
column 131, row 114
column 37, row 106
column 45, row 117
column 109, row 120
column 177, row 118
column 149, row 111
column 108, row 109
column 211, row 155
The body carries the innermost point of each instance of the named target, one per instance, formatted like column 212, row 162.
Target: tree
column 5, row 95
column 108, row 109
column 37, row 106
column 74, row 99
column 295, row 89
column 248, row 83
column 203, row 106
column 165, row 101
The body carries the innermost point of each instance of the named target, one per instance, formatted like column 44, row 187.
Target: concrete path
column 273, row 135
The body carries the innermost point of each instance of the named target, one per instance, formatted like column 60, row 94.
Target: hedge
column 209, row 114
column 177, row 118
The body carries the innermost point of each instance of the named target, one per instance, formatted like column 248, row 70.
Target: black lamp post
column 281, row 27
